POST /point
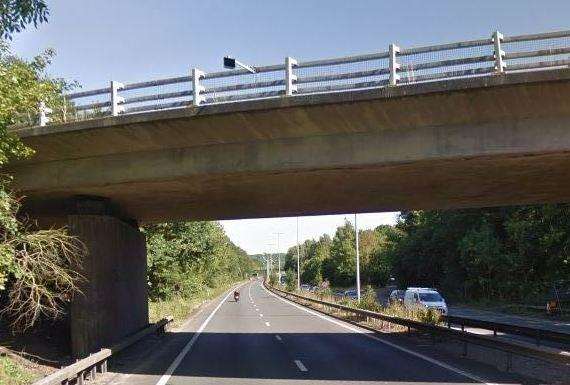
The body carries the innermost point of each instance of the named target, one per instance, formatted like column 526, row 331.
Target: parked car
column 352, row 294
column 426, row 298
column 306, row 287
column 397, row 297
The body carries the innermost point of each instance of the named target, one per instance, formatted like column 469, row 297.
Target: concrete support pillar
column 114, row 302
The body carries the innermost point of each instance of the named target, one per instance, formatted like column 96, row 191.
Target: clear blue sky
column 133, row 40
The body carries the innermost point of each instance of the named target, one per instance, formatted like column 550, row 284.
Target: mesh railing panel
column 365, row 74
column 246, row 86
column 438, row 65
column 538, row 52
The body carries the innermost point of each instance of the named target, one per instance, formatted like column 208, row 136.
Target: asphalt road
column 264, row 339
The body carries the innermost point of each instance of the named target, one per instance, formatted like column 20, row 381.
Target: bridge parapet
column 492, row 56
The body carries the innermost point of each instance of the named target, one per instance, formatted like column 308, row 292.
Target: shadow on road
column 326, row 356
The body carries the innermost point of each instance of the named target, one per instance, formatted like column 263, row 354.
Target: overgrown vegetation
column 38, row 268
column 493, row 254
column 12, row 373
column 189, row 262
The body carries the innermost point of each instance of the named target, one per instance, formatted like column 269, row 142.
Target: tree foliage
column 15, row 15
column 185, row 257
column 38, row 268
column 505, row 253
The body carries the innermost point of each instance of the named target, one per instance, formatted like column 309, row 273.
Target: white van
column 424, row 297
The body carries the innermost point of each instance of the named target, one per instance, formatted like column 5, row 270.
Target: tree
column 186, row 257
column 38, row 268
column 15, row 15
column 343, row 255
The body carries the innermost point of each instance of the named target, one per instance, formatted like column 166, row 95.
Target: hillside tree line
column 504, row 253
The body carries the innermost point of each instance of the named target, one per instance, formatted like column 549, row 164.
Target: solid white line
column 267, row 324
column 166, row 376
column 300, row 365
column 371, row 336
column 249, row 292
column 278, row 337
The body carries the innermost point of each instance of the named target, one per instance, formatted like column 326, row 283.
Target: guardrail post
column 499, row 53
column 44, row 112
column 197, row 88
column 116, row 100
column 394, row 65
column 290, row 77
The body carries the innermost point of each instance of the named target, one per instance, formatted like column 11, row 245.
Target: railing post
column 197, row 89
column 499, row 53
column 394, row 65
column 116, row 100
column 44, row 112
column 290, row 77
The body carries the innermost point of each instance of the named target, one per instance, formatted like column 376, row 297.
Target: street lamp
column 278, row 257
column 231, row 63
column 298, row 259
column 357, row 260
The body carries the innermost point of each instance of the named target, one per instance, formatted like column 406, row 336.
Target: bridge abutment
column 114, row 299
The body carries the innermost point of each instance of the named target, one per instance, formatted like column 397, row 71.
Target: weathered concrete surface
column 114, row 302
column 462, row 143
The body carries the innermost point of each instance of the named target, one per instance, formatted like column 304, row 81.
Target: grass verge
column 13, row 373
column 181, row 307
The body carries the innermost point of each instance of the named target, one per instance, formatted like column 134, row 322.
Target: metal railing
column 510, row 347
column 88, row 367
column 538, row 334
column 492, row 56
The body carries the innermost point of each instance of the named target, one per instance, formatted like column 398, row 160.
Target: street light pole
column 357, row 260
column 278, row 258
column 298, row 259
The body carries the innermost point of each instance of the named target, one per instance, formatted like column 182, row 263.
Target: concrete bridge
column 498, row 139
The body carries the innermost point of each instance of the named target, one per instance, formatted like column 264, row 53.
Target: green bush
column 368, row 300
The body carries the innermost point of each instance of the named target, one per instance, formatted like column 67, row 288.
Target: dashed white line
column 260, row 315
column 267, row 324
column 249, row 292
column 256, row 309
column 300, row 365
column 278, row 338
column 395, row 346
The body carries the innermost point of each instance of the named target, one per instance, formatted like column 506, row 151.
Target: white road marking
column 371, row 336
column 260, row 315
column 249, row 292
column 256, row 309
column 166, row 376
column 278, row 338
column 267, row 324
column 300, row 365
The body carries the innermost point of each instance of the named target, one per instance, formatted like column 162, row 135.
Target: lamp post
column 298, row 259
column 357, row 260
column 278, row 257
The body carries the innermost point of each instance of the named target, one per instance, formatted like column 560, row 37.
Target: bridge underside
column 454, row 183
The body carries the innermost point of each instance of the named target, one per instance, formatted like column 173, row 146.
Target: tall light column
column 298, row 259
column 278, row 258
column 357, row 260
